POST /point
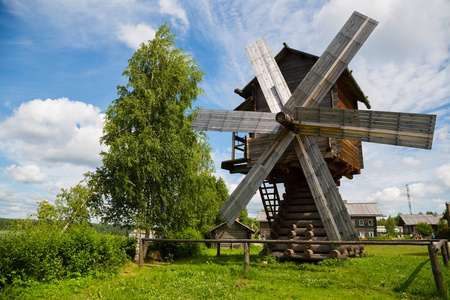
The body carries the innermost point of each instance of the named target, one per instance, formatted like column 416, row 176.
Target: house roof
column 368, row 209
column 346, row 76
column 415, row 219
column 235, row 222
column 261, row 217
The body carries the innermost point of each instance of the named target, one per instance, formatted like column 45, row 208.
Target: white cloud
column 26, row 174
column 411, row 161
column 443, row 174
column 134, row 35
column 52, row 132
column 174, row 9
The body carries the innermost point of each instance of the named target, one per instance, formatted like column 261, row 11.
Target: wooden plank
column 244, row 192
column 402, row 129
column 332, row 63
column 271, row 81
column 235, row 121
column 334, row 215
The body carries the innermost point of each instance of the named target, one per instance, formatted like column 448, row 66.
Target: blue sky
column 61, row 61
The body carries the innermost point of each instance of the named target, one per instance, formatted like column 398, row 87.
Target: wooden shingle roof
column 369, row 209
column 416, row 219
column 237, row 223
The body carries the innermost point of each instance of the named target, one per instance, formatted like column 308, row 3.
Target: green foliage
column 71, row 207
column 182, row 250
column 245, row 219
column 442, row 224
column 30, row 252
column 390, row 225
column 156, row 174
column 443, row 233
column 424, row 229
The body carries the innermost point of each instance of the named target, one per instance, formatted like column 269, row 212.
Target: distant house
column 364, row 217
column 264, row 227
column 409, row 222
column 236, row 231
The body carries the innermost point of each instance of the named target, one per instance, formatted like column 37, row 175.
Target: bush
column 424, row 229
column 40, row 253
column 443, row 233
column 181, row 250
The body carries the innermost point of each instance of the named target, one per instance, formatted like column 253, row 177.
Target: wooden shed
column 236, row 231
column 409, row 222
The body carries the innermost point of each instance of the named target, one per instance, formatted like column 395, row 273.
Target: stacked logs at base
column 298, row 219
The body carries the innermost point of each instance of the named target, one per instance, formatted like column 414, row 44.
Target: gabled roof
column 235, row 223
column 261, row 217
column 346, row 75
column 412, row 220
column 368, row 209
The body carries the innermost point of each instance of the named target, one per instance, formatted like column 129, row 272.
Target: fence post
column 141, row 254
column 246, row 257
column 436, row 269
column 444, row 254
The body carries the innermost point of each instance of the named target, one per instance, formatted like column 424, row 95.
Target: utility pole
column 409, row 199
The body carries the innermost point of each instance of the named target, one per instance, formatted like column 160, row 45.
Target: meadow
column 388, row 272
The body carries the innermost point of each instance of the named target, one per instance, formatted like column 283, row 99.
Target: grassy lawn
column 388, row 272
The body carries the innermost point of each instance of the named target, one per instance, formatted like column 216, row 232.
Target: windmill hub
column 285, row 120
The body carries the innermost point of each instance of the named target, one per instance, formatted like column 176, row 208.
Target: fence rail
column 433, row 247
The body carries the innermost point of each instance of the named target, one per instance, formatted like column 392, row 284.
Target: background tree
column 424, row 229
column 71, row 206
column 390, row 225
column 156, row 174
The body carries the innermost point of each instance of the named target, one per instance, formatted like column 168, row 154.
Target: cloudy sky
column 61, row 61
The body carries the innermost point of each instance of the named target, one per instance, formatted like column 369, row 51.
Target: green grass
column 389, row 272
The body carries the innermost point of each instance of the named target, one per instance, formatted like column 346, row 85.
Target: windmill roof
column 416, row 219
column 347, row 75
column 369, row 209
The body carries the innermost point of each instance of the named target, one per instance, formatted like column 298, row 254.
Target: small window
column 362, row 234
column 361, row 222
column 370, row 222
column 371, row 234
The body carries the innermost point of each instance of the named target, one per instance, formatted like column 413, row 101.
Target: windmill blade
column 392, row 128
column 244, row 192
column 332, row 63
column 270, row 79
column 333, row 213
column 235, row 121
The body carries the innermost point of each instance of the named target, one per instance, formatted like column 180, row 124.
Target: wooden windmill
column 312, row 207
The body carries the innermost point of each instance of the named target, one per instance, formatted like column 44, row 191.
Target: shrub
column 40, row 253
column 424, row 229
column 181, row 250
column 443, row 233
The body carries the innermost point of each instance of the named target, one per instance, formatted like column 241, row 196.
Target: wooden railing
column 433, row 248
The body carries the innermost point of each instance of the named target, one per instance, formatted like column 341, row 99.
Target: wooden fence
column 433, row 247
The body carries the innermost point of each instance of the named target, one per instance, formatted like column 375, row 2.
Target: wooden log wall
column 298, row 219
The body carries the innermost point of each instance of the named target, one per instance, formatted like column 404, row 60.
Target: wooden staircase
column 270, row 199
